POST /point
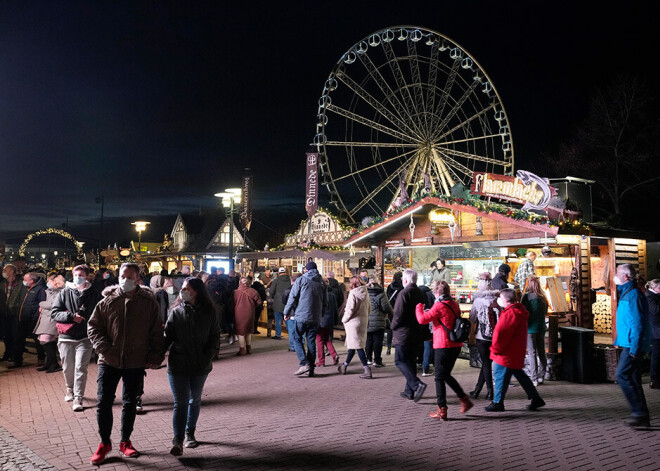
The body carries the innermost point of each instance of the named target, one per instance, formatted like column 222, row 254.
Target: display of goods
column 602, row 311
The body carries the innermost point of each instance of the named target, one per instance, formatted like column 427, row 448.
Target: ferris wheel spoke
column 378, row 164
column 375, row 104
column 433, row 77
column 479, row 158
column 465, row 122
column 449, row 85
column 413, row 60
column 367, row 122
column 366, row 199
column 457, row 106
column 367, row 144
column 393, row 63
column 457, row 165
column 468, row 139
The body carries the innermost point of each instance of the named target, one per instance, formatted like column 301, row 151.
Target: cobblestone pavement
column 257, row 415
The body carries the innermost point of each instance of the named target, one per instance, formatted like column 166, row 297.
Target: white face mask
column 618, row 281
column 79, row 280
column 127, row 285
column 48, row 285
column 25, row 283
column 170, row 290
column 500, row 303
column 4, row 275
column 185, row 296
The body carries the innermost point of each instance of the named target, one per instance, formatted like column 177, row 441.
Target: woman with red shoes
column 443, row 314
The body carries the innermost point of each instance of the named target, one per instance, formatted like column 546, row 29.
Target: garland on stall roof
column 341, row 225
column 308, row 247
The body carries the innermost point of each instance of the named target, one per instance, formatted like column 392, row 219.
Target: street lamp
column 229, row 197
column 140, row 226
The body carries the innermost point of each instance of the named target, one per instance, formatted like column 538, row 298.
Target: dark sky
column 158, row 105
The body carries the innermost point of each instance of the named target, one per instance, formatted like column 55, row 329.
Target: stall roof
column 315, row 253
column 394, row 223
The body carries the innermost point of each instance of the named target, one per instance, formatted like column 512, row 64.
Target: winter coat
column 192, row 333
column 653, row 301
column 277, row 288
column 16, row 296
column 261, row 291
column 481, row 314
column 356, row 317
column 380, row 309
column 45, row 324
column 29, row 310
column 499, row 282
column 339, row 290
column 71, row 301
column 510, row 337
column 308, row 297
column 633, row 326
column 245, row 301
column 445, row 310
column 405, row 328
column 393, row 291
column 430, row 297
column 126, row 332
column 441, row 274
column 538, row 309
column 163, row 303
column 330, row 312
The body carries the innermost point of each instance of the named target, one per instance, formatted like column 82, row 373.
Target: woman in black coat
column 653, row 298
column 192, row 332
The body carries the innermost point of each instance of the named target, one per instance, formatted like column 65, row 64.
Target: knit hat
column 504, row 268
column 311, row 266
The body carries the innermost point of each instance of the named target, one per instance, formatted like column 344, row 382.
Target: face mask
column 618, row 281
column 4, row 275
column 500, row 303
column 185, row 296
column 48, row 285
column 106, row 276
column 170, row 290
column 25, row 283
column 79, row 280
column 127, row 285
column 365, row 279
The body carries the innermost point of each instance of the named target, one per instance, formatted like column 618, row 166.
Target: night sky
column 159, row 105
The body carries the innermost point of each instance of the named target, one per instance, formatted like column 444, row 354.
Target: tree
column 617, row 143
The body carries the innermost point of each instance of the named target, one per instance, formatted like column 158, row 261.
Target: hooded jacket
column 510, row 337
column 71, row 301
column 356, row 317
column 127, row 332
column 277, row 288
column 308, row 298
column 633, row 327
column 480, row 313
column 380, row 308
column 192, row 333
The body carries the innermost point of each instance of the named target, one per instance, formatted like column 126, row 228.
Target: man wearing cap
column 277, row 288
column 309, row 299
column 500, row 280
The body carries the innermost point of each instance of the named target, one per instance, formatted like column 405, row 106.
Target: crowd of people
column 130, row 320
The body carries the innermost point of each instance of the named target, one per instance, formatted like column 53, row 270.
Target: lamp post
column 229, row 197
column 140, row 226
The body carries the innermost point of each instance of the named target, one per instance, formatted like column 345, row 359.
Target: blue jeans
column 278, row 324
column 428, row 353
column 404, row 359
column 291, row 327
column 305, row 330
column 187, row 393
column 502, row 376
column 629, row 376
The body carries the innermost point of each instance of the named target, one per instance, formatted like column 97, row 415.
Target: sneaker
column 53, row 368
column 42, row 368
column 277, row 337
column 638, row 422
column 176, row 450
column 126, row 448
column 419, row 392
column 369, row 362
column 190, row 441
column 77, row 404
column 379, row 365
column 68, row 397
column 302, row 370
column 405, row 395
column 101, row 452
column 138, row 405
column 342, row 368
column 494, row 407
column 536, row 403
column 440, row 413
column 427, row 373
column 535, row 383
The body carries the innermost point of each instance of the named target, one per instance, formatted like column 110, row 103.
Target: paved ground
column 257, row 415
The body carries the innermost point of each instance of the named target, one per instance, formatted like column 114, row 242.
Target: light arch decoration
column 47, row 231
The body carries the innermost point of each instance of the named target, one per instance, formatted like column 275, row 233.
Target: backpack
column 460, row 331
column 487, row 319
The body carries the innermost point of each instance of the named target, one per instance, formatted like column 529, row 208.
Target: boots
column 51, row 366
column 440, row 413
column 248, row 348
column 466, row 404
column 241, row 352
column 367, row 373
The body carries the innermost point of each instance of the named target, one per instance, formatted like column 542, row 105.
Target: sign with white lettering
column 312, row 184
column 320, row 229
column 526, row 188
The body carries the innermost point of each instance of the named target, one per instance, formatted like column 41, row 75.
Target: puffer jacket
column 380, row 308
column 191, row 333
column 356, row 317
column 510, row 337
column 633, row 327
column 481, row 313
column 445, row 310
column 277, row 288
column 127, row 332
column 45, row 324
column 71, row 301
column 308, row 297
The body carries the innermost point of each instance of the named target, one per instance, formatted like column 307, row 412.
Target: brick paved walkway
column 257, row 415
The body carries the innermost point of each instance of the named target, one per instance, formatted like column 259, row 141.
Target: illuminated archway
column 50, row 230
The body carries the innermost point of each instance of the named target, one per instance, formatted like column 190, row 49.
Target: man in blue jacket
column 634, row 335
column 308, row 298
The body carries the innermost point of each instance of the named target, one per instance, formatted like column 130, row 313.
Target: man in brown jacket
column 127, row 334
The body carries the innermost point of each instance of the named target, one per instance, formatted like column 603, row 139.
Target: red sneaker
column 101, row 452
column 126, row 448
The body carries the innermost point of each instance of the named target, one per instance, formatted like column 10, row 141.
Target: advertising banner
column 312, row 184
column 246, row 203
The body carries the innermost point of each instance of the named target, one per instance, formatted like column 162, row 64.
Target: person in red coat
column 508, row 352
column 443, row 314
column 245, row 301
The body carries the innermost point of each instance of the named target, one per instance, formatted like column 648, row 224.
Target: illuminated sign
column 394, row 243
column 568, row 239
column 526, row 188
column 422, row 241
column 442, row 217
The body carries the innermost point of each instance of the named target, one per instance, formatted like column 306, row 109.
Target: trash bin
column 577, row 345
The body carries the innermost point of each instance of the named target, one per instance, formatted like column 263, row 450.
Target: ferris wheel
column 405, row 111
